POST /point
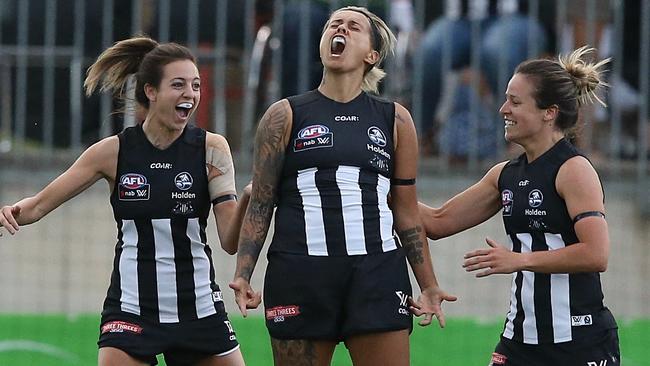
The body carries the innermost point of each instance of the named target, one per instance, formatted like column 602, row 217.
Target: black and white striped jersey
column 332, row 197
column 546, row 308
column 163, row 266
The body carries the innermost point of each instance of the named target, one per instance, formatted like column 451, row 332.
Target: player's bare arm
column 407, row 221
column 228, row 212
column 270, row 143
column 98, row 161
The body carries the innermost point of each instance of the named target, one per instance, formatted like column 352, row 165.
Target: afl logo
column 183, row 181
column 377, row 136
column 535, row 198
column 313, row 131
column 133, row 181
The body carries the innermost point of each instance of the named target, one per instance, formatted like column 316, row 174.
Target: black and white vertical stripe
column 164, row 269
column 345, row 211
column 540, row 310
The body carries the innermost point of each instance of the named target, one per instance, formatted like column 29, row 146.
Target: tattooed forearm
column 267, row 167
column 412, row 244
column 294, row 352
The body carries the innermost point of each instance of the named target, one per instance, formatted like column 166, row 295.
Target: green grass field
column 54, row 340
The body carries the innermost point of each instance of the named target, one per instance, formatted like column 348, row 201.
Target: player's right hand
column 8, row 216
column 245, row 297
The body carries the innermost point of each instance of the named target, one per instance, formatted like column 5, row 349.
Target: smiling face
column 346, row 44
column 177, row 96
column 524, row 121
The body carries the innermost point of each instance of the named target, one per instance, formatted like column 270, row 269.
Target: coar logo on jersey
column 133, row 187
column 313, row 137
column 377, row 136
column 183, row 181
column 506, row 202
column 535, row 198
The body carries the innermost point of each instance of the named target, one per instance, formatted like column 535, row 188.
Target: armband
column 402, row 182
column 588, row 214
column 224, row 198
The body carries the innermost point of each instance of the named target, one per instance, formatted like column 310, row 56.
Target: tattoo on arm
column 399, row 117
column 412, row 244
column 267, row 166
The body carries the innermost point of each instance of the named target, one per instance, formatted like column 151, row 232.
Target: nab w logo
column 600, row 363
column 403, row 298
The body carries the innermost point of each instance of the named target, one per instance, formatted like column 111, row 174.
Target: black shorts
column 598, row 350
column 331, row 298
column 181, row 343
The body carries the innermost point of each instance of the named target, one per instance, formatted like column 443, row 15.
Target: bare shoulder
column 216, row 141
column 106, row 148
column 492, row 176
column 101, row 156
column 279, row 111
column 577, row 173
column 402, row 115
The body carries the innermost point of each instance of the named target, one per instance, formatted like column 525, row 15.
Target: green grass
column 56, row 340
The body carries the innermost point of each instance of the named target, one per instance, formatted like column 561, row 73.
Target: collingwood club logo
column 183, row 181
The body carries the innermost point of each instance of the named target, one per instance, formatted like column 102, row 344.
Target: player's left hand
column 495, row 259
column 429, row 303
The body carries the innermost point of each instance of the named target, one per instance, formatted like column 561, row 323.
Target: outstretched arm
column 98, row 161
column 465, row 210
column 578, row 184
column 407, row 222
column 270, row 143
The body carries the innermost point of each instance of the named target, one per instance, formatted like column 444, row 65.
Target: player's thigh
column 233, row 358
column 383, row 348
column 302, row 352
column 110, row 356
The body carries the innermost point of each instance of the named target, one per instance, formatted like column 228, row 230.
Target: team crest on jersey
column 133, row 187
column 183, row 181
column 313, row 137
column 535, row 198
column 506, row 202
column 376, row 135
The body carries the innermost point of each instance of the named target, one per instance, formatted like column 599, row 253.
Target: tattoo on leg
column 294, row 352
column 412, row 244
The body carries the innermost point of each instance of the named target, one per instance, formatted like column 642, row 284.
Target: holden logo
column 376, row 136
column 183, row 181
column 535, row 198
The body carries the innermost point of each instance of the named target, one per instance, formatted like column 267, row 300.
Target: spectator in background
column 505, row 31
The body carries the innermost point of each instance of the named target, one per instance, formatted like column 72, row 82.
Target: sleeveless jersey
column 546, row 308
column 332, row 197
column 163, row 267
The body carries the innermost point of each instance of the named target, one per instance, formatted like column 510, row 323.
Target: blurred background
column 452, row 63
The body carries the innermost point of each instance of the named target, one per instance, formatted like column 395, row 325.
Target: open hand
column 495, row 259
column 429, row 303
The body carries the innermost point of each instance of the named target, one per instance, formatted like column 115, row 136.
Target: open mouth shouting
column 338, row 45
column 184, row 109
